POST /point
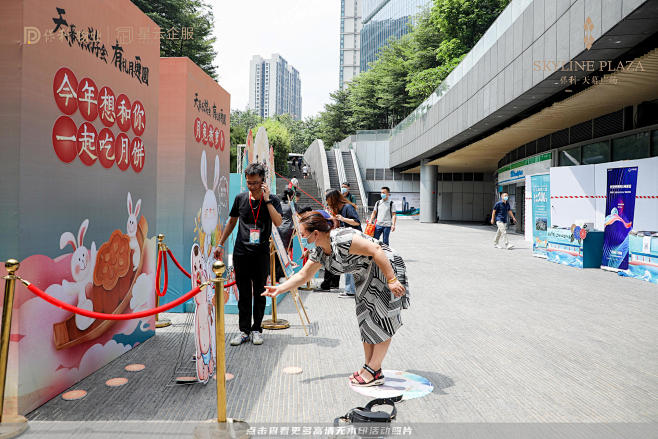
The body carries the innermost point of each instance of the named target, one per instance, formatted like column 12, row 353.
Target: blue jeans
column 350, row 288
column 382, row 229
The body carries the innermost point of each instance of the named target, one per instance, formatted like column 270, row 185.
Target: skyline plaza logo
column 589, row 37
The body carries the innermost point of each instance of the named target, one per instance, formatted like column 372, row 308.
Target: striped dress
column 377, row 308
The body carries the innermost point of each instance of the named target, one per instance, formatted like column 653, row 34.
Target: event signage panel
column 619, row 212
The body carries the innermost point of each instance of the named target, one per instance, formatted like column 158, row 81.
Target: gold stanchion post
column 222, row 427
column 10, row 425
column 161, row 323
column 274, row 322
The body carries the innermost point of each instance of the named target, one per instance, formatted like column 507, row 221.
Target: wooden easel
column 277, row 246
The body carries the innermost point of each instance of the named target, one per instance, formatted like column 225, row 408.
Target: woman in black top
column 345, row 212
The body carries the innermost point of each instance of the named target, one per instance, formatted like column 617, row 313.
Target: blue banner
column 541, row 213
column 619, row 212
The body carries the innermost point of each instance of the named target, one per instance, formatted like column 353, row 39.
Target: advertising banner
column 541, row 213
column 643, row 259
column 619, row 212
column 78, row 156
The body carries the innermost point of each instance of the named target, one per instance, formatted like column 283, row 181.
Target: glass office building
column 383, row 19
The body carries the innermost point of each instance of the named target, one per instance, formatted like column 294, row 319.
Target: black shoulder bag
column 359, row 415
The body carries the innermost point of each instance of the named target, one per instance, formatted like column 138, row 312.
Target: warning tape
column 652, row 197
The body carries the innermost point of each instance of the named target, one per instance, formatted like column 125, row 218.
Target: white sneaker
column 496, row 246
column 510, row 246
column 256, row 338
column 239, row 339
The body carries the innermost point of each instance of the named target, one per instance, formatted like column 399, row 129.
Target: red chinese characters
column 87, row 144
column 137, row 154
column 221, row 141
column 106, row 155
column 138, row 116
column 204, row 133
column 197, row 129
column 65, row 89
column 88, row 99
column 107, row 106
column 122, row 151
column 65, row 139
column 123, row 112
column 85, row 141
column 211, row 136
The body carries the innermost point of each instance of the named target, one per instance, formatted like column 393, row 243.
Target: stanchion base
column 275, row 324
column 212, row 429
column 162, row 323
column 12, row 426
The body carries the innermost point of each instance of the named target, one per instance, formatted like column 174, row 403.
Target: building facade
column 550, row 84
column 383, row 19
column 350, row 40
column 274, row 87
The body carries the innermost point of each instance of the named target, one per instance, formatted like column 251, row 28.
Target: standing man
column 257, row 210
column 345, row 190
column 499, row 215
column 305, row 171
column 385, row 214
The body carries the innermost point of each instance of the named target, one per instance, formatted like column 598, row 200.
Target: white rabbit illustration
column 205, row 362
column 209, row 210
column 131, row 228
column 82, row 270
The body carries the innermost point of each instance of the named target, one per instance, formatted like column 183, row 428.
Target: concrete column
column 428, row 177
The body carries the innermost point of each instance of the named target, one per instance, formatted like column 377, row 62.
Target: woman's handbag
column 359, row 415
column 370, row 228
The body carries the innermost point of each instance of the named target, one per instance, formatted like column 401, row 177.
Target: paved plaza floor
column 504, row 338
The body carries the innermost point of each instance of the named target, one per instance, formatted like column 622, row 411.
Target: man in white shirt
column 386, row 217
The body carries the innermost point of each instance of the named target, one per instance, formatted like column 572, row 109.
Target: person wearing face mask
column 499, row 216
column 345, row 190
column 385, row 214
column 382, row 289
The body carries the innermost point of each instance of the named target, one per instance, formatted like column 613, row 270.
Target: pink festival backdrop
column 193, row 187
column 78, row 204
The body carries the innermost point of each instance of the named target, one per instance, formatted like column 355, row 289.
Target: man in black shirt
column 257, row 210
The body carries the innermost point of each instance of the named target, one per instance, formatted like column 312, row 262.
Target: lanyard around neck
column 252, row 209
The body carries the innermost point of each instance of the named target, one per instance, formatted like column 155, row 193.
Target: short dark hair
column 256, row 169
column 345, row 184
column 387, row 189
column 288, row 193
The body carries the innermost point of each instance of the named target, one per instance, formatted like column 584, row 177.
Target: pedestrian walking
column 305, row 171
column 385, row 214
column 382, row 290
column 345, row 190
column 256, row 211
column 499, row 214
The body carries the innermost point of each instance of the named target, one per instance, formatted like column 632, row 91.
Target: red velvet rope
column 230, row 284
column 180, row 267
column 104, row 316
column 301, row 189
column 162, row 292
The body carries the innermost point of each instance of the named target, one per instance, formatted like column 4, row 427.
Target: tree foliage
column 175, row 15
column 409, row 69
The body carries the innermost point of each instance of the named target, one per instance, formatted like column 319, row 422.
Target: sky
column 304, row 32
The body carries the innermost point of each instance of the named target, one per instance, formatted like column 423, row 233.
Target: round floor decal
column 73, row 395
column 134, row 367
column 398, row 382
column 116, row 382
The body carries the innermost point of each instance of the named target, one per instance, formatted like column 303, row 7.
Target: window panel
column 596, row 153
column 631, row 147
column 570, row 157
